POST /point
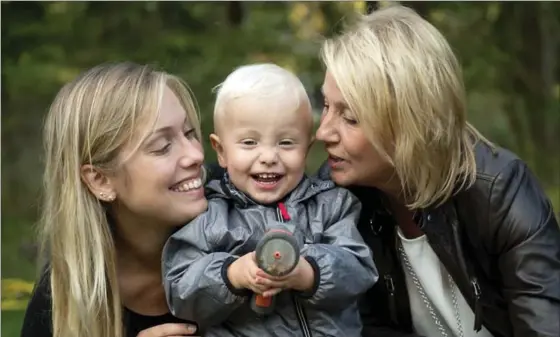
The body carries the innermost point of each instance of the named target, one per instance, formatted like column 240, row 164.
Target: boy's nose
column 269, row 156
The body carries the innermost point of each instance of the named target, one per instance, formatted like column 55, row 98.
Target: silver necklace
column 427, row 301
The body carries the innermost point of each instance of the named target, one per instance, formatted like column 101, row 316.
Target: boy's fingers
column 262, row 274
column 272, row 292
column 272, row 283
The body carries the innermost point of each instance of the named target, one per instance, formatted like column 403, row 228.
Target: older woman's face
column 352, row 158
column 161, row 182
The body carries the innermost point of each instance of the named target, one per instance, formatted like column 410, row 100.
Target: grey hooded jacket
column 322, row 218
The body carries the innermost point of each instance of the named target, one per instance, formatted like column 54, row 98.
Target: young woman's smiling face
column 161, row 181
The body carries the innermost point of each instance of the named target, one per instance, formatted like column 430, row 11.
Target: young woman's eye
column 163, row 150
column 190, row 134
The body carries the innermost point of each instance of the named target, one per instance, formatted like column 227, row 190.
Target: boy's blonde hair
column 89, row 122
column 265, row 81
column 403, row 82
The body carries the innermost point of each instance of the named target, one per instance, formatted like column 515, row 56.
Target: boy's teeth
column 267, row 175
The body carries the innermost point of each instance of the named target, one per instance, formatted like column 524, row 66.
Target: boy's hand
column 243, row 274
column 301, row 278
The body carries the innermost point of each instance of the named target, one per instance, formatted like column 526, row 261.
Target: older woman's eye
column 350, row 120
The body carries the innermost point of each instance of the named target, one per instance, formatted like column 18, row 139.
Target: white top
column 434, row 279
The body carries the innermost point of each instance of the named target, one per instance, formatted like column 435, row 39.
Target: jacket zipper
column 282, row 215
column 390, row 286
column 477, row 306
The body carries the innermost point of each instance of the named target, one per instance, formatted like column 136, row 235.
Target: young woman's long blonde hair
column 401, row 79
column 89, row 122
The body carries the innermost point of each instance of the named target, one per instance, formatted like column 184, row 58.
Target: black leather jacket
column 499, row 240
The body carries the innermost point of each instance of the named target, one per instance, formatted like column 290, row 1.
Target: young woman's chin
column 190, row 210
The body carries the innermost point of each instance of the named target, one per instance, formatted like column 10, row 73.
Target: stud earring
column 107, row 198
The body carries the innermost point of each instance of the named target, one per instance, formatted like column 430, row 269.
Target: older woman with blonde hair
column 123, row 170
column 464, row 238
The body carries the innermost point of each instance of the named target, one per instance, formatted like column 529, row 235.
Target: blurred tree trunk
column 235, row 13
column 423, row 8
column 524, row 32
column 371, row 6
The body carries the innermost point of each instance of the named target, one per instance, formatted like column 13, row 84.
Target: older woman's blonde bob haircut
column 90, row 121
column 402, row 81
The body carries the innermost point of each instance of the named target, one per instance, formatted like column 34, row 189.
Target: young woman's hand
column 243, row 274
column 169, row 330
column 301, row 278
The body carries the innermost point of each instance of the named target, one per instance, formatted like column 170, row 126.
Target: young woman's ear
column 98, row 183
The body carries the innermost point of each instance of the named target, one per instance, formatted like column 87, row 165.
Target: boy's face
column 263, row 146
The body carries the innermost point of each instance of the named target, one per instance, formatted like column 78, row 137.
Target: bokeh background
column 509, row 50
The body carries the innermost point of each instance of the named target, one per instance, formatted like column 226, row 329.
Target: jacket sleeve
column 528, row 249
column 195, row 262
column 37, row 321
column 343, row 263
column 384, row 331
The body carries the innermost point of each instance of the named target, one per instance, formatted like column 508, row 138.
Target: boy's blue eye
column 286, row 142
column 248, row 142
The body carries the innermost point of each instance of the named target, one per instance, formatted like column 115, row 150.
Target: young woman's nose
column 192, row 153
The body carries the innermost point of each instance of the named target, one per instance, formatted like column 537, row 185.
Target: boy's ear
column 217, row 146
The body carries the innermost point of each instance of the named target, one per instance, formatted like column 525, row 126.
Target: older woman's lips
column 335, row 162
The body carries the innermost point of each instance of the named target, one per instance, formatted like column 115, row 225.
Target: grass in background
column 18, row 270
column 11, row 323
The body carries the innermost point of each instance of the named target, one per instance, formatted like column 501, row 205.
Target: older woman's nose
column 327, row 132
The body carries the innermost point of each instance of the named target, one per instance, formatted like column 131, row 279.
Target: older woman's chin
column 342, row 177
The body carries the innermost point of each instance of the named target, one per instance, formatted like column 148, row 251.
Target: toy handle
column 262, row 305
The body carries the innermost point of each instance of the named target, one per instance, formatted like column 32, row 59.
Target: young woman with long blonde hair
column 123, row 169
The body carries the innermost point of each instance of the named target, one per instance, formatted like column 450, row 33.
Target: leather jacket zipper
column 390, row 286
column 477, row 305
column 282, row 215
